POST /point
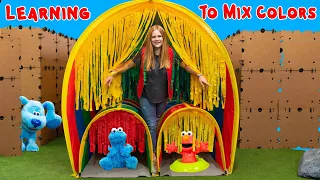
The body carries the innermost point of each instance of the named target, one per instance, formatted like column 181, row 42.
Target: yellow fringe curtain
column 108, row 46
column 116, row 38
column 199, row 51
column 197, row 122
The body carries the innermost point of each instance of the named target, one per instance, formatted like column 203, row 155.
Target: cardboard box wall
column 279, row 85
column 32, row 64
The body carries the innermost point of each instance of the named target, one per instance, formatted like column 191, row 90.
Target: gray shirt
column 156, row 87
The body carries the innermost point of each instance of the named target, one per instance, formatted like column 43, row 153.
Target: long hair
column 149, row 53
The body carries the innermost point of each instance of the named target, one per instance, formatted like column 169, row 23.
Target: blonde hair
column 149, row 54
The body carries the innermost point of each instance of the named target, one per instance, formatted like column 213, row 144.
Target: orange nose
column 185, row 138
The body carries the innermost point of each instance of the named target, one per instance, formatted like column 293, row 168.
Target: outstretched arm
column 53, row 120
column 188, row 69
column 123, row 67
column 201, row 147
column 202, row 79
column 172, row 148
column 120, row 69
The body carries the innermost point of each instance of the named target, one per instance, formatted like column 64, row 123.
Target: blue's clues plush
column 34, row 119
column 119, row 155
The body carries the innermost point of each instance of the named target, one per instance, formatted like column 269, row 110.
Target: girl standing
column 155, row 60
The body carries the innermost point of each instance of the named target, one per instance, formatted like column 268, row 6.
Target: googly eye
column 189, row 133
column 34, row 113
column 37, row 113
column 183, row 133
column 114, row 130
column 120, row 129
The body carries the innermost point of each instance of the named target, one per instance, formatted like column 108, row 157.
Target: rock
column 309, row 166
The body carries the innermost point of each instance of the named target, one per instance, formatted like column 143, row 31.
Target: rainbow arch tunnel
column 92, row 56
column 183, row 117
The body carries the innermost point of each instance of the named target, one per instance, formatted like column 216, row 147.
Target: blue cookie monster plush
column 34, row 119
column 119, row 155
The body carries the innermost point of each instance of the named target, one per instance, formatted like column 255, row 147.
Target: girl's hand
column 109, row 80
column 203, row 81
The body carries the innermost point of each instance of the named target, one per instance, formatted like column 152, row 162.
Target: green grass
column 52, row 162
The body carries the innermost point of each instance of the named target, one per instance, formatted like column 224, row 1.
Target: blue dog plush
column 119, row 155
column 34, row 119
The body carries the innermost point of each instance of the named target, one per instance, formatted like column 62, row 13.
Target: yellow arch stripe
column 216, row 127
column 98, row 116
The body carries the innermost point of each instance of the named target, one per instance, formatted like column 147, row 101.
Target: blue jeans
column 151, row 113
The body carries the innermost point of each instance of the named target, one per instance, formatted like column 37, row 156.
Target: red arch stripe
column 73, row 131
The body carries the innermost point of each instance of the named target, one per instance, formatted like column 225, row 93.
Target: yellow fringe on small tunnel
column 199, row 123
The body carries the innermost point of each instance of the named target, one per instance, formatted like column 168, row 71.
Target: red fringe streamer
column 100, row 129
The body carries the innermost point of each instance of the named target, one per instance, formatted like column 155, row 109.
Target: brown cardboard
column 10, row 52
column 260, row 50
column 33, row 61
column 48, row 66
column 30, row 45
column 30, row 83
column 49, row 46
column 10, row 118
column 259, row 90
column 48, row 85
column 10, row 104
column 316, row 45
column 10, row 142
column 291, row 83
column 298, row 128
column 58, row 107
column 299, row 89
column 259, row 129
column 300, row 49
column 59, row 83
column 63, row 48
column 228, row 45
column 47, row 135
column 234, row 49
column 62, row 56
column 49, row 70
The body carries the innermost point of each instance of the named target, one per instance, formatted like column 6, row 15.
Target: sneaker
column 154, row 168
